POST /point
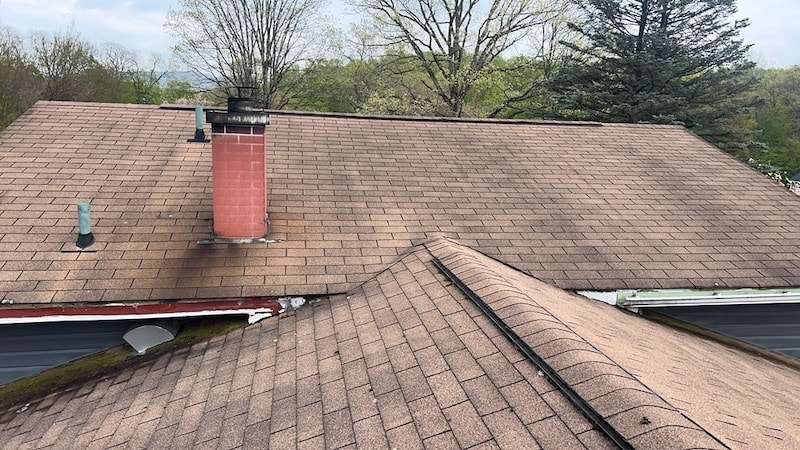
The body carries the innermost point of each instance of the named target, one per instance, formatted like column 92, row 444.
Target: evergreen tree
column 663, row 61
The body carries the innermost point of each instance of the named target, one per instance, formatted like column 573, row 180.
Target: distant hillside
column 186, row 75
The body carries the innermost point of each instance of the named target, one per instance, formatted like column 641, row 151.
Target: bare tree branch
column 245, row 42
column 454, row 41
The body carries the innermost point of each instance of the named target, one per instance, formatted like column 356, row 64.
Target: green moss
column 108, row 361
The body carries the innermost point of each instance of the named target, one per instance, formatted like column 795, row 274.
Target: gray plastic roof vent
column 147, row 336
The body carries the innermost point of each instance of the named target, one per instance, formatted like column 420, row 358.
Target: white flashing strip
column 609, row 297
column 253, row 315
column 659, row 298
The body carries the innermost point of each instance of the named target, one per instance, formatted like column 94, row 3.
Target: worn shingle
column 411, row 396
column 584, row 207
column 657, row 386
column 399, row 389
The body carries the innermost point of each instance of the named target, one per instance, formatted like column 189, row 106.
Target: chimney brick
column 239, row 181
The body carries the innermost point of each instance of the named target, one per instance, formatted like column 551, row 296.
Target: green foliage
column 19, row 80
column 172, row 92
column 777, row 116
column 67, row 66
column 115, row 358
column 63, row 66
column 662, row 61
column 175, row 91
column 333, row 85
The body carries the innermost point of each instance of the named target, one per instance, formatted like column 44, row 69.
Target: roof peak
column 598, row 385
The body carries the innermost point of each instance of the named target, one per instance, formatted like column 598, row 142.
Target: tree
column 245, row 42
column 145, row 81
column 345, row 82
column 660, row 61
column 19, row 80
column 777, row 115
column 63, row 59
column 175, row 91
column 526, row 92
column 453, row 42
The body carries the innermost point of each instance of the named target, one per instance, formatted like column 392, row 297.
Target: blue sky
column 138, row 24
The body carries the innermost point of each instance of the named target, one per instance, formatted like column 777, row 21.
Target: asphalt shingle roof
column 627, row 367
column 582, row 207
column 399, row 362
column 406, row 360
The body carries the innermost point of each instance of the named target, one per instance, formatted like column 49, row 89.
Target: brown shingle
column 601, row 350
column 583, row 207
column 466, row 424
column 250, row 387
column 484, row 395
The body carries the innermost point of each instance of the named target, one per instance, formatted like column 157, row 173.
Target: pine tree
column 662, row 61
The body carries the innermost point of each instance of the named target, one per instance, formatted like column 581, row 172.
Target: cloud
column 139, row 24
column 773, row 30
column 123, row 22
column 40, row 7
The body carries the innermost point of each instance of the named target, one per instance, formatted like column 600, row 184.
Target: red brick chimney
column 239, row 171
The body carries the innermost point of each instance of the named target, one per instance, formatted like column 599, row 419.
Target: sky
column 139, row 24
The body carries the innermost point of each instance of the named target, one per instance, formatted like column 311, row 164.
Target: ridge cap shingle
column 615, row 393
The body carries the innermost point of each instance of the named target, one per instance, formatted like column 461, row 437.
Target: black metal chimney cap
column 240, row 104
column 240, row 112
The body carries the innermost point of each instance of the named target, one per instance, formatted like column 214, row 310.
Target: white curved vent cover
column 147, row 336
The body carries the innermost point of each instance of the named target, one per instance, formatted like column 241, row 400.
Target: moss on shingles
column 107, row 361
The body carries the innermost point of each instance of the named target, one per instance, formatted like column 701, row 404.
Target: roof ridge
column 95, row 104
column 446, row 119
column 612, row 391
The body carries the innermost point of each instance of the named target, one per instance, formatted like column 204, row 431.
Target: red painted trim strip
column 157, row 308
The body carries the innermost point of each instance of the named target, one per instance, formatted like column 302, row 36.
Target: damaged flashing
column 256, row 309
column 293, row 302
column 222, row 240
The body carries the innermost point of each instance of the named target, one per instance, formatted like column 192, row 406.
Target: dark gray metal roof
column 775, row 327
column 28, row 349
